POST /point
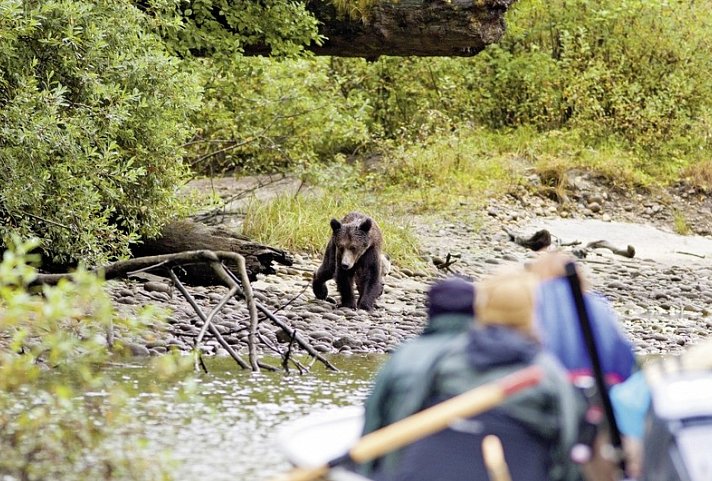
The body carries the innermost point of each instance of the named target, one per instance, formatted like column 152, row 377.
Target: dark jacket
column 537, row 426
column 400, row 388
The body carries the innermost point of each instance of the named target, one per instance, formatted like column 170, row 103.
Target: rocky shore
column 664, row 302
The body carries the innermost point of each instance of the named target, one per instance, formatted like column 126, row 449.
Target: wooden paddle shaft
column 304, row 474
column 428, row 421
column 440, row 416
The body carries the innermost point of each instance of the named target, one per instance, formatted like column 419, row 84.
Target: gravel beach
column 663, row 295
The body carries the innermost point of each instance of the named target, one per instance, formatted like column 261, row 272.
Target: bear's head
column 352, row 240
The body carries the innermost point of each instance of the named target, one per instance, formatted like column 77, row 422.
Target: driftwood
column 539, row 240
column 239, row 285
column 182, row 236
column 602, row 244
column 445, row 264
column 213, row 330
column 542, row 239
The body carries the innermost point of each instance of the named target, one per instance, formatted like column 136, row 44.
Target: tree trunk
column 181, row 236
column 411, row 27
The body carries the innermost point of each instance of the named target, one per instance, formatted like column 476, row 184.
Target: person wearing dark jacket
column 537, row 427
column 401, row 385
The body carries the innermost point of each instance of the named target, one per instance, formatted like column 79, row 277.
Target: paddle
column 598, row 375
column 425, row 422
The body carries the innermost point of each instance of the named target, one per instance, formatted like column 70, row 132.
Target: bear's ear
column 365, row 225
column 335, row 225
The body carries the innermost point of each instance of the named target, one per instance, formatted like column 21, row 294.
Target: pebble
column 153, row 286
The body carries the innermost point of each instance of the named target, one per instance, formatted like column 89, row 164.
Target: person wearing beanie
column 401, row 386
column 537, row 427
column 450, row 304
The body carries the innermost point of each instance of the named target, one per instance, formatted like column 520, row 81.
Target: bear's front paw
column 366, row 306
column 350, row 305
column 331, row 300
column 320, row 291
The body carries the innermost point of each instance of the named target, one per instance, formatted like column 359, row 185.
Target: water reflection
column 227, row 432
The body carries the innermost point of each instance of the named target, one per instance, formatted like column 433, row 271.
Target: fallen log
column 456, row 28
column 184, row 235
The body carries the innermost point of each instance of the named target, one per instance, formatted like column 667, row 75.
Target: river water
column 227, row 430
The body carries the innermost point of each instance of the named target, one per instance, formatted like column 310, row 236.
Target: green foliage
column 636, row 70
column 264, row 115
column 99, row 102
column 410, row 98
column 356, row 9
column 222, row 29
column 462, row 168
column 52, row 347
column 92, row 116
column 700, row 175
column 259, row 114
column 628, row 76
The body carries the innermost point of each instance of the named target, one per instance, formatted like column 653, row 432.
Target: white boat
column 319, row 437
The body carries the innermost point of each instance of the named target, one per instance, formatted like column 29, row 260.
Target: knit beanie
column 507, row 300
column 453, row 295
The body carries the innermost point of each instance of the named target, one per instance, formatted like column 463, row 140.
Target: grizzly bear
column 353, row 254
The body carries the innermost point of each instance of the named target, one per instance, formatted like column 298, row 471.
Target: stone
column 153, row 286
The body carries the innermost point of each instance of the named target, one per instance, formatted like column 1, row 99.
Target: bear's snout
column 347, row 260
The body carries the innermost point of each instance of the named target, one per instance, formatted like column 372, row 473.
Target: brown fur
column 353, row 255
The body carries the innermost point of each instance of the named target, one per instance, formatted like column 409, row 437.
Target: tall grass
column 301, row 223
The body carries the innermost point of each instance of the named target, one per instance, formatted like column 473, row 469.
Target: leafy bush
column 634, row 69
column 259, row 114
column 222, row 29
column 266, row 115
column 52, row 349
column 92, row 117
column 631, row 73
column 409, row 98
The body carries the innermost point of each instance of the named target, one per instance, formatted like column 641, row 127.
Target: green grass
column 680, row 224
column 301, row 223
column 700, row 174
column 452, row 174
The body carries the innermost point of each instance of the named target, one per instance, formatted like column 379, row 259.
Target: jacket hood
column 449, row 323
column 493, row 346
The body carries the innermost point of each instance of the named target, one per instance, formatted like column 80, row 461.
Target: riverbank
column 662, row 295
